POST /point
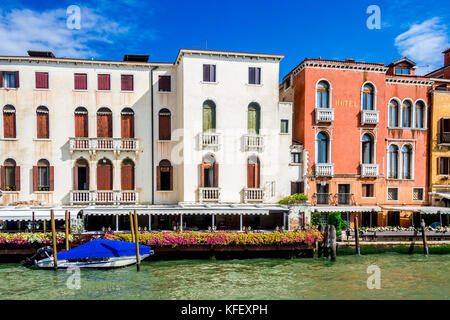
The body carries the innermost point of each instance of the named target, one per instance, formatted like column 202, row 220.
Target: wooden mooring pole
column 132, row 227
column 424, row 237
column 333, row 242
column 67, row 229
column 326, row 242
column 136, row 234
column 33, row 223
column 45, row 226
column 55, row 259
column 320, row 244
column 358, row 251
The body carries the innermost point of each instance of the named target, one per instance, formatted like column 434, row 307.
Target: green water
column 402, row 277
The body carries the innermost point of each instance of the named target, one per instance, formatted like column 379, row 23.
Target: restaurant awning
column 442, row 194
column 424, row 210
column 345, row 209
column 11, row 214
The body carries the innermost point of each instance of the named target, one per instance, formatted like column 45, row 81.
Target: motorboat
column 98, row 253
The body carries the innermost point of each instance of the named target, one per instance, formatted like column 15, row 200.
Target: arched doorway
column 209, row 172
column 127, row 175
column 81, row 175
column 253, row 175
column 104, row 174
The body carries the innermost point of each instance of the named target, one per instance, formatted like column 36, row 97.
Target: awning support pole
column 149, row 222
column 213, row 222
column 181, row 222
column 440, row 218
column 117, row 222
column 240, row 222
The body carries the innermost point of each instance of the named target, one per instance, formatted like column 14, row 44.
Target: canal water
column 402, row 277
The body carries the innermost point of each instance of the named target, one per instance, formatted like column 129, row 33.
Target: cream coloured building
column 199, row 142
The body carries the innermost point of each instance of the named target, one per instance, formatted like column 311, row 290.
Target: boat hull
column 104, row 263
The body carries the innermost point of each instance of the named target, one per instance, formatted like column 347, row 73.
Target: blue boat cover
column 101, row 248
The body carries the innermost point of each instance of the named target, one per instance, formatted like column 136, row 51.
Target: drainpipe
column 153, row 135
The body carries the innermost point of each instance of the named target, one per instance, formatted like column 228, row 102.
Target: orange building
column 364, row 129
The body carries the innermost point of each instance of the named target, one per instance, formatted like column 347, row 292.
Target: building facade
column 200, row 137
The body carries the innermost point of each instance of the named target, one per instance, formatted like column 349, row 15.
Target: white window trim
column 134, row 82
column 399, row 119
column 374, row 151
column 48, row 73
column 110, row 82
column 330, row 93
column 206, row 82
column 412, row 118
column 374, row 94
column 35, row 125
column 329, row 146
column 87, row 82
column 387, row 193
column 157, row 82
column 425, row 115
column 423, row 194
column 374, row 195
column 2, row 133
column 388, row 166
column 260, row 84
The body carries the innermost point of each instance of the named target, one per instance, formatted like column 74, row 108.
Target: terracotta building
column 363, row 127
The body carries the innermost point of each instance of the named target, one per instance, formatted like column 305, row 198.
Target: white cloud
column 22, row 30
column 423, row 43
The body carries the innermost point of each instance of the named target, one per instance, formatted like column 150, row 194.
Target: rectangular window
column 127, row 82
column 392, row 194
column 368, row 190
column 103, row 82
column 254, row 75
column 344, row 195
column 80, row 81
column 444, row 130
column 9, row 79
column 296, row 157
column 284, row 126
column 402, row 71
column 297, row 187
column 41, row 80
column 209, row 73
column 443, row 165
column 43, row 177
column 418, row 194
column 164, row 84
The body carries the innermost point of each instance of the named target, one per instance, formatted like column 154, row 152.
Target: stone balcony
column 370, row 117
column 109, row 197
column 253, row 195
column 369, row 170
column 253, row 142
column 208, row 194
column 209, row 140
column 324, row 169
column 93, row 145
column 324, row 115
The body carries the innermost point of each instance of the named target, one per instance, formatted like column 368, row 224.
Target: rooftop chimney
column 136, row 57
column 41, row 54
column 446, row 57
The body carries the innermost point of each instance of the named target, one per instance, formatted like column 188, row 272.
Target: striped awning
column 346, row 209
column 179, row 210
column 39, row 214
column 424, row 210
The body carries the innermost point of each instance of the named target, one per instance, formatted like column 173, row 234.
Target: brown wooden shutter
column 9, row 124
column 216, row 175
column 16, row 79
column 80, row 81
column 41, row 80
column 81, row 126
column 75, row 178
column 250, row 175
column 103, row 82
column 127, row 177
column 42, row 125
column 164, row 127
column 164, row 83
column 1, row 79
column 202, row 175
column 104, row 126
column 171, row 177
column 256, row 166
column 127, row 82
column 158, row 178
column 104, row 177
column 35, row 178
column 2, row 177
column 17, row 176
column 52, row 178
column 293, row 188
column 127, row 121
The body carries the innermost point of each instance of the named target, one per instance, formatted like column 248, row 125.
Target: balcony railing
column 444, row 137
column 324, row 115
column 104, row 197
column 209, row 194
column 324, row 169
column 344, row 198
column 103, row 144
column 253, row 142
column 253, row 194
column 209, row 139
column 369, row 170
column 322, row 198
column 370, row 116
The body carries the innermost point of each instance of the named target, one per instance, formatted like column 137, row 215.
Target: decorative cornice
column 339, row 66
column 410, row 81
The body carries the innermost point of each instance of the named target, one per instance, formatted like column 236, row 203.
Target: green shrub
column 316, row 219
column 335, row 219
column 295, row 198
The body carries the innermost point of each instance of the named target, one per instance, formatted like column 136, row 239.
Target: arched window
column 322, row 144
column 393, row 162
column 368, row 97
column 81, row 175
column 164, row 124
column 42, row 123
column 10, row 176
column 209, row 116
column 209, row 172
column 393, row 114
column 420, row 115
column 43, row 176
column 127, row 123
column 104, row 174
column 253, row 172
column 9, row 121
column 127, row 175
column 254, row 118
column 406, row 162
column 164, row 172
column 104, row 123
column 406, row 114
column 81, row 123
column 367, row 148
column 323, row 95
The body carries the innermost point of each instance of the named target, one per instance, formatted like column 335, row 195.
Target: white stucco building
column 199, row 142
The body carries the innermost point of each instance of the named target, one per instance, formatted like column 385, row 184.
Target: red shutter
column 81, row 125
column 127, row 82
column 127, row 177
column 171, row 177
column 80, row 81
column 104, row 177
column 158, row 178
column 17, row 182
column 164, row 83
column 127, row 121
column 2, row 177
column 35, row 178
column 42, row 125
column 16, row 79
column 104, row 126
column 41, row 80
column 256, row 166
column 104, row 82
column 52, row 178
column 9, row 124
column 164, row 127
column 250, row 176
column 216, row 175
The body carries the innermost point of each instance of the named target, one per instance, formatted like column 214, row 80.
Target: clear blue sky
column 297, row 29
